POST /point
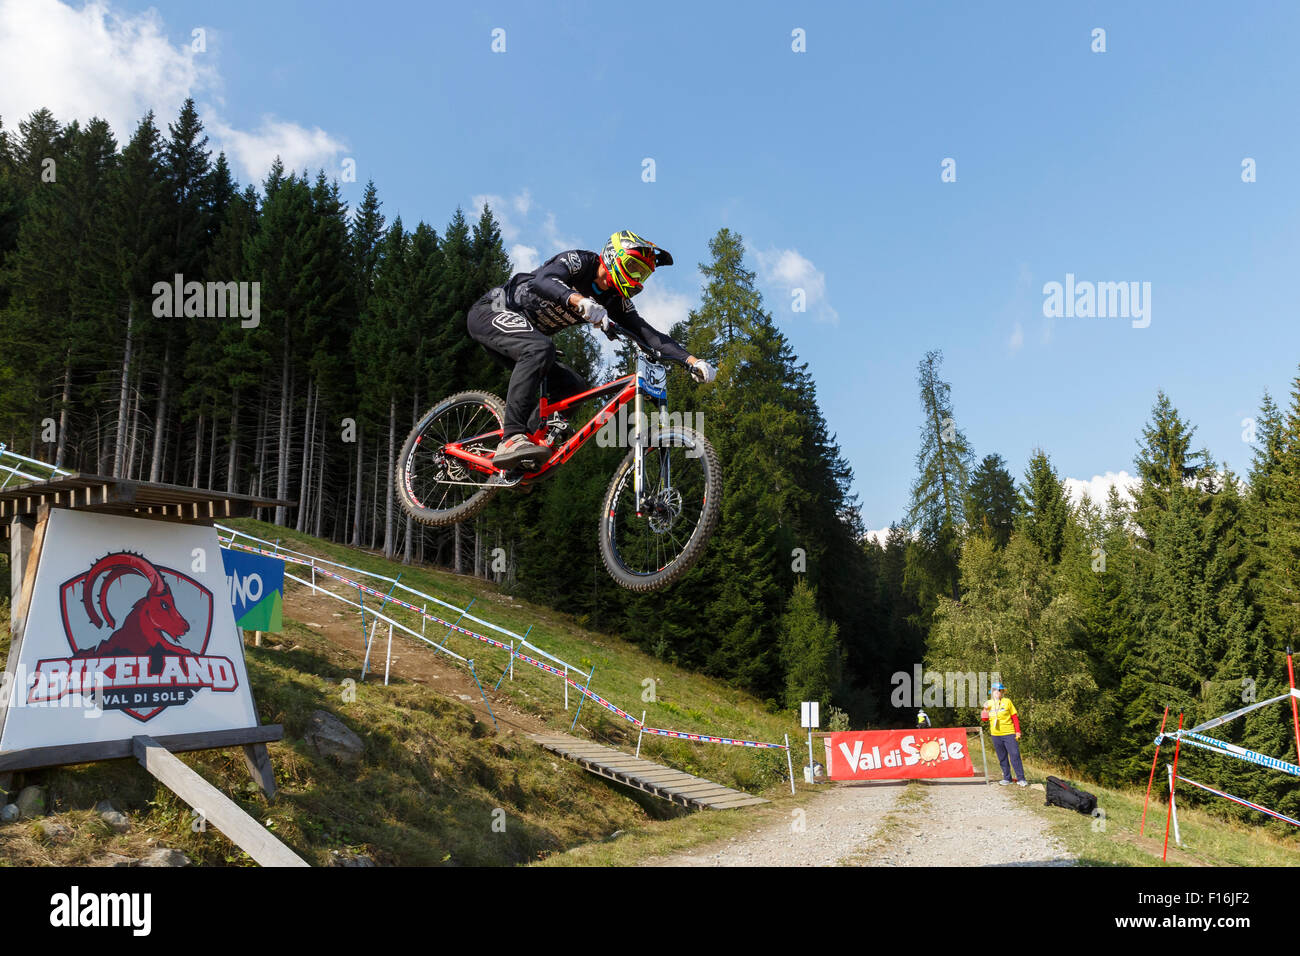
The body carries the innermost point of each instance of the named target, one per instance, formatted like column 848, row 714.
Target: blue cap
column 998, row 685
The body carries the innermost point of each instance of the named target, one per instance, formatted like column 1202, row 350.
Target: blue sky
column 1117, row 166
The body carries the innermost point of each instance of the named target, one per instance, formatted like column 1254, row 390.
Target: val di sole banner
column 897, row 754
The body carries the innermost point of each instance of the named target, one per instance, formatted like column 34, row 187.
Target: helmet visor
column 630, row 271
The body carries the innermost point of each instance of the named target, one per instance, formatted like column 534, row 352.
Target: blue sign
column 256, row 588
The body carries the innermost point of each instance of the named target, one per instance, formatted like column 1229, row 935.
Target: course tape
column 1237, row 713
column 1244, row 803
column 540, row 665
column 389, row 599
column 1202, row 742
column 602, row 701
column 709, row 739
column 288, row 554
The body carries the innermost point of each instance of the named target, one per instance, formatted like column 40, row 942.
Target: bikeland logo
column 128, row 639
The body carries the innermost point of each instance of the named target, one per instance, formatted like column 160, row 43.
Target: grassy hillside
column 437, row 774
column 435, row 771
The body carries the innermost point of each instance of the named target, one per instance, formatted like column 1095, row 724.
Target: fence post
column 984, row 755
column 1178, row 742
column 582, row 700
column 789, row 762
column 639, row 734
column 388, row 659
column 1173, row 807
column 365, row 665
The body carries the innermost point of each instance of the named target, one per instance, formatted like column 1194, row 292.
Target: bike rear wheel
column 439, row 489
column 679, row 510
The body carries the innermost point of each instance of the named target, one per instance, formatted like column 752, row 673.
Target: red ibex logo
column 151, row 620
column 140, row 667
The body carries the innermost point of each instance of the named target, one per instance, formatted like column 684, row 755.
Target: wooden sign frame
column 26, row 527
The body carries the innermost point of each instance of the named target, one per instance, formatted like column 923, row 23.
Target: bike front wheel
column 648, row 544
column 436, row 488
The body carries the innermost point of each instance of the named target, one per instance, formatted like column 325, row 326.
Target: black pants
column 511, row 340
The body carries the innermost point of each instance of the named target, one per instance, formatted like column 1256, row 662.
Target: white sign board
column 808, row 716
column 129, row 631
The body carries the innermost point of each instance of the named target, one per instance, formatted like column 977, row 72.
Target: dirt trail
column 926, row 823
column 412, row 660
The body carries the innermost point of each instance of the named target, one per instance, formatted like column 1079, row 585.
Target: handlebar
column 614, row 331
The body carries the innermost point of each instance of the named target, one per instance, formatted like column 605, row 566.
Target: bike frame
column 648, row 382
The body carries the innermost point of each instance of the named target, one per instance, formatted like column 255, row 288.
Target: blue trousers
column 1008, row 750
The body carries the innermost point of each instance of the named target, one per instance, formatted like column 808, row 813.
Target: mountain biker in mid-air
column 515, row 322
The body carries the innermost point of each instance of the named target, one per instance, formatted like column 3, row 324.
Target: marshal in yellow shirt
column 1000, row 714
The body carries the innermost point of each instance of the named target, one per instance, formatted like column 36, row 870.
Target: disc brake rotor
column 665, row 508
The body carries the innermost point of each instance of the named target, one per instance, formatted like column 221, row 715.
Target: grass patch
column 1113, row 840
column 437, row 785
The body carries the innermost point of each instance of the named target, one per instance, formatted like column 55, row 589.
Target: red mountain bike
column 662, row 503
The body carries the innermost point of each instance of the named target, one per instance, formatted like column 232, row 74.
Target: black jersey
column 542, row 297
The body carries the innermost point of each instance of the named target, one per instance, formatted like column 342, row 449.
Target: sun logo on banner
column 930, row 752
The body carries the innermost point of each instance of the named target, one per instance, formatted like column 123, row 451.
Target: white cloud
column 662, row 307
column 1017, row 337
column 96, row 61
column 524, row 258
column 92, row 62
column 500, row 207
column 300, row 149
column 559, row 241
column 1098, row 487
column 789, row 270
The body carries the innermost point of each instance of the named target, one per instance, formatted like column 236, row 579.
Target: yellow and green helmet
column 630, row 260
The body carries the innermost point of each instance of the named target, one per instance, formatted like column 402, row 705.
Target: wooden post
column 241, row 829
column 21, row 530
column 258, row 759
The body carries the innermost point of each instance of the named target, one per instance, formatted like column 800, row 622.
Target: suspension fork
column 638, row 451
column 641, row 441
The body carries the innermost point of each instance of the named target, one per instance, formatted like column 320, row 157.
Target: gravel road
column 931, row 823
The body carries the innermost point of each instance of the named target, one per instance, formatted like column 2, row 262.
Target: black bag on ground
column 1061, row 794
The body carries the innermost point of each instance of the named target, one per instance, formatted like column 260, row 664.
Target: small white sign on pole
column 808, row 714
column 809, row 718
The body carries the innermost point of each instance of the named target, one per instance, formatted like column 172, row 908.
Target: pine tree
column 937, row 512
column 1044, row 508
column 810, row 649
column 1014, row 620
column 140, row 236
column 991, row 504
